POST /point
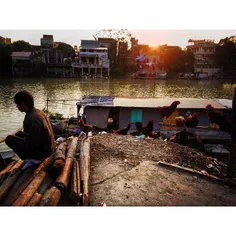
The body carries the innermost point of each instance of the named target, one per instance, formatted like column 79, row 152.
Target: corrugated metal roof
column 155, row 102
column 21, row 54
column 225, row 102
column 185, row 103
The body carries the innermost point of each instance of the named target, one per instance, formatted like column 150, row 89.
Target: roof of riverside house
column 185, row 103
column 21, row 54
column 225, row 102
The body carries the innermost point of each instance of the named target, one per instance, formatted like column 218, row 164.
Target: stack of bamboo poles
column 60, row 179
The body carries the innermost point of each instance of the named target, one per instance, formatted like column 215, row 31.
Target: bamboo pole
column 51, row 197
column 232, row 156
column 18, row 187
column 9, row 181
column 27, row 194
column 34, row 201
column 59, row 162
column 3, row 139
column 75, row 184
column 63, row 179
column 8, row 168
column 18, row 164
column 72, row 149
column 24, row 180
column 2, row 164
column 4, row 173
column 36, row 198
column 84, row 165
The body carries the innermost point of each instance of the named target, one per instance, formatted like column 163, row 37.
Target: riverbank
column 119, row 170
column 126, row 172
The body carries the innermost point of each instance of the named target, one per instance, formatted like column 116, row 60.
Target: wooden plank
column 191, row 171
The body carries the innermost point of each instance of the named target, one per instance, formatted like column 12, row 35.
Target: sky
column 152, row 22
column 151, row 37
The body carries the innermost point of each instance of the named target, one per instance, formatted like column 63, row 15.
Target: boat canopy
column 141, row 58
column 185, row 103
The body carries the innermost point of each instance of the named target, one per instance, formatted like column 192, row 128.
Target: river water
column 71, row 89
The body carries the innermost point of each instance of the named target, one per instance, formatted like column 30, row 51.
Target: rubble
column 130, row 151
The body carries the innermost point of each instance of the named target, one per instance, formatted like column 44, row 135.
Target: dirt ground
column 125, row 172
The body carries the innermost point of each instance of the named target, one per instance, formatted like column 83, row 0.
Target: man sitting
column 37, row 141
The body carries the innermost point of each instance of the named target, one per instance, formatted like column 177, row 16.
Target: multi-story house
column 5, row 40
column 47, row 42
column 22, row 63
column 150, row 58
column 55, row 60
column 92, row 59
column 111, row 44
column 203, row 51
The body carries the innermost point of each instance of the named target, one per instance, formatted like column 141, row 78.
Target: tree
column 225, row 53
column 21, row 45
column 122, row 35
column 174, row 59
column 67, row 49
column 123, row 39
column 5, row 59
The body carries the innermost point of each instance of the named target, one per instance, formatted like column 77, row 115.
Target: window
column 136, row 115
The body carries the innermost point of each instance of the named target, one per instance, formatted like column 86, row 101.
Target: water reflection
column 59, row 89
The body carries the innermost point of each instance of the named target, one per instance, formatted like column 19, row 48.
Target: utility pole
column 47, row 105
column 154, row 87
column 232, row 156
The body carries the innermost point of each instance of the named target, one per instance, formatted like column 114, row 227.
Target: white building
column 92, row 59
column 204, row 51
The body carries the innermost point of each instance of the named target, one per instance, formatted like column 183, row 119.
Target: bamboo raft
column 61, row 179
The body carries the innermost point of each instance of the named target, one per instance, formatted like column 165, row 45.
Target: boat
column 7, row 154
column 150, row 75
column 124, row 110
column 186, row 76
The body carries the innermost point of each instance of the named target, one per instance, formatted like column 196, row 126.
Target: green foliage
column 38, row 60
column 56, row 116
column 5, row 58
column 67, row 60
column 21, row 45
column 121, row 35
column 67, row 49
column 225, row 53
column 177, row 60
column 52, row 115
